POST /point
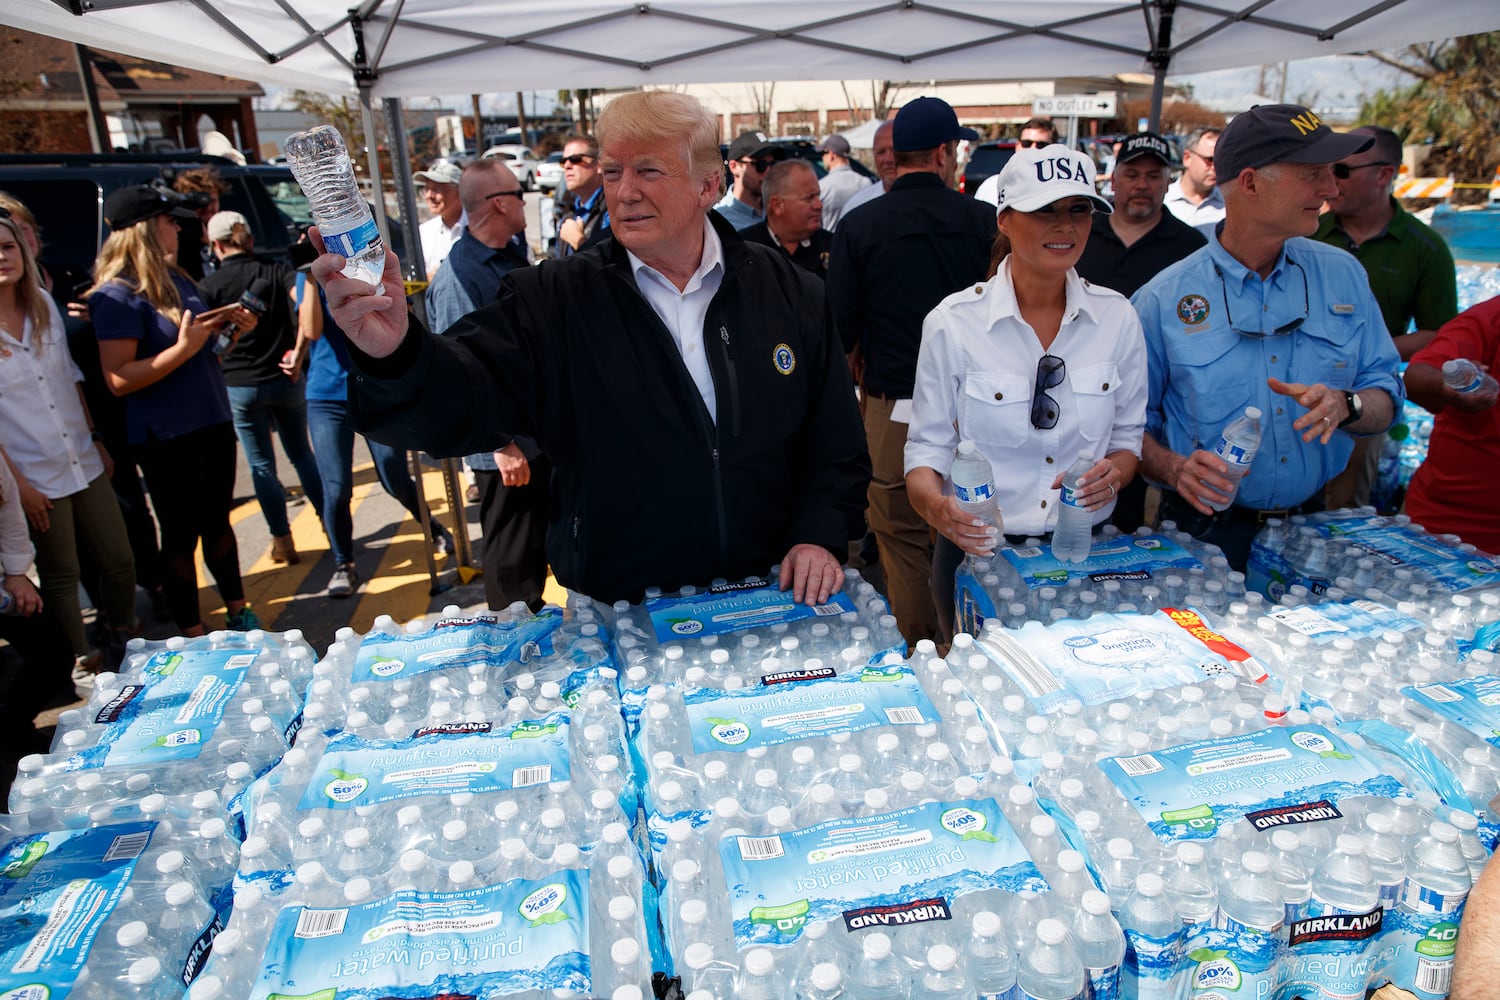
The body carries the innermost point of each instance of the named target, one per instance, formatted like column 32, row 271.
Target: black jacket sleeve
column 471, row 390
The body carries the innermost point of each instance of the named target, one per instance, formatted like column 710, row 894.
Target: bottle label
column 978, row 493
column 456, row 644
column 519, row 937
column 1069, row 497
column 1351, row 620
column 1423, row 946
column 1473, row 704
column 58, row 889
column 1421, row 898
column 1234, row 454
column 354, row 242
column 173, row 712
column 733, row 608
column 1126, row 557
column 897, row 869
column 1275, row 777
column 798, row 710
column 355, row 772
column 1102, row 984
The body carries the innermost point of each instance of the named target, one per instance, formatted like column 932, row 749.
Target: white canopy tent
column 404, row 48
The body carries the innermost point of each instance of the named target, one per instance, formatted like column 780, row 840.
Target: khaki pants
column 1351, row 488
column 94, row 514
column 905, row 539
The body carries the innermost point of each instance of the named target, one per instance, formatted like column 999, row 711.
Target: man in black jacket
column 892, row 261
column 688, row 386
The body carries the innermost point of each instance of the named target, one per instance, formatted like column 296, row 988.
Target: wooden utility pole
column 478, row 127
column 521, row 117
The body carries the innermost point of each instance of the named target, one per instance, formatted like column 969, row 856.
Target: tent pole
column 372, row 153
column 1161, row 57
column 406, row 190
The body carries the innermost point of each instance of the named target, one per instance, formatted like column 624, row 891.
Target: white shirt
column 438, row 239
column 975, row 373
column 42, row 423
column 1202, row 216
column 684, row 312
column 16, row 550
column 862, row 196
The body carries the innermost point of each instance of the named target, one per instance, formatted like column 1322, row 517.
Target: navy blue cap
column 926, row 123
column 1280, row 133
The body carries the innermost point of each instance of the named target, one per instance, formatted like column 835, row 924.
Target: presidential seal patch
column 783, row 358
column 1192, row 309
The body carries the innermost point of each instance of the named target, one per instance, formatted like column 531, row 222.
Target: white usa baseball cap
column 1035, row 178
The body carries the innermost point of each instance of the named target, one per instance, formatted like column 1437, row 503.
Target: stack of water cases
column 120, row 848
column 825, row 816
column 456, row 819
column 1287, row 800
column 1126, row 574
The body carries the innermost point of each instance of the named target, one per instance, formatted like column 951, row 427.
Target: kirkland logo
column 732, row 588
column 918, row 911
column 461, row 622
column 1122, row 574
column 789, row 676
column 111, row 712
column 452, row 729
column 1339, row 927
column 1309, row 812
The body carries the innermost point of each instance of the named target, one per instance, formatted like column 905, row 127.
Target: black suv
column 66, row 192
column 985, row 159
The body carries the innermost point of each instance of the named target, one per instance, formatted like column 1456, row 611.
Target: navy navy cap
column 124, row 207
column 926, row 123
column 1144, row 144
column 1280, row 133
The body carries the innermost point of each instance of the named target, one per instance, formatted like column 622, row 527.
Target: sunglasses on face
column 1343, row 170
column 517, row 194
column 578, row 158
column 1033, row 143
column 1206, row 159
column 1050, row 371
column 761, row 165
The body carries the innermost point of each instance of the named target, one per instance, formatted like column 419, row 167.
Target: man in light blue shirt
column 1263, row 317
column 750, row 156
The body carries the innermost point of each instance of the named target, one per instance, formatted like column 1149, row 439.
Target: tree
column 762, row 103
column 1452, row 104
column 1177, row 117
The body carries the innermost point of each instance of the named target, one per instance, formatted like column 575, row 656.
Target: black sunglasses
column 1050, row 371
column 761, row 165
column 1206, row 159
column 1283, row 328
column 1033, row 143
column 578, row 158
column 1343, row 170
column 518, row 194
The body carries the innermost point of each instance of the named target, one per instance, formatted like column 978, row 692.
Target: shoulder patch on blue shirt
column 1342, row 308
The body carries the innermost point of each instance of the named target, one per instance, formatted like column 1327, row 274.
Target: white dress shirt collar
column 685, row 312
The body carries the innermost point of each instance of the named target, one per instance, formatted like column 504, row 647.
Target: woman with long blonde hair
column 155, row 338
column 47, row 439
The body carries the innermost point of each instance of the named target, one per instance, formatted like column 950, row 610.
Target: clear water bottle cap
column 1351, row 845
column 966, row 448
column 760, row 961
column 986, row 924
column 131, row 935
column 1150, row 884
column 1253, row 412
column 1444, row 833
column 178, row 893
column 625, row 951
column 1094, row 903
column 1255, row 862
column 143, row 971
column 826, row 976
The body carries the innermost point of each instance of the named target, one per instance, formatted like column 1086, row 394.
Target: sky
column 1328, row 81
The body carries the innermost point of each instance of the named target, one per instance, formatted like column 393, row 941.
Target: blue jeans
column 333, row 444
column 257, row 410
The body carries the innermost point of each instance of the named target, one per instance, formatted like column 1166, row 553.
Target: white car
column 550, row 173
column 521, row 161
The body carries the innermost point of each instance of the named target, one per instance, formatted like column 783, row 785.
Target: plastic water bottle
column 1237, row 447
column 881, row 975
column 1343, row 883
column 1463, row 375
column 1439, row 879
column 1101, row 945
column 1050, row 969
column 987, row 960
column 321, row 165
column 1153, row 943
column 942, row 979
column 974, row 484
column 1190, row 885
column 1073, row 534
column 1253, row 899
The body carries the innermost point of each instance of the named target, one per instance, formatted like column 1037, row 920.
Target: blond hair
column 136, row 259
column 658, row 116
column 29, row 293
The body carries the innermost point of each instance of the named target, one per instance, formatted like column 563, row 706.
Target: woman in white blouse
column 1035, row 366
column 50, row 445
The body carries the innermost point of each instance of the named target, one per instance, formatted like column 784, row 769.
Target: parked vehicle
column 549, row 173
column 985, row 158
column 521, row 161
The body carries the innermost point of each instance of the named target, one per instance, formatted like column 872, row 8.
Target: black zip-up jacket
column 648, row 489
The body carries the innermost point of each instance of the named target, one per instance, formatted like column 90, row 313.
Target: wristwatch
column 1356, row 408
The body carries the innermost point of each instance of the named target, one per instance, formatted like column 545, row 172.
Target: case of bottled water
column 458, row 815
